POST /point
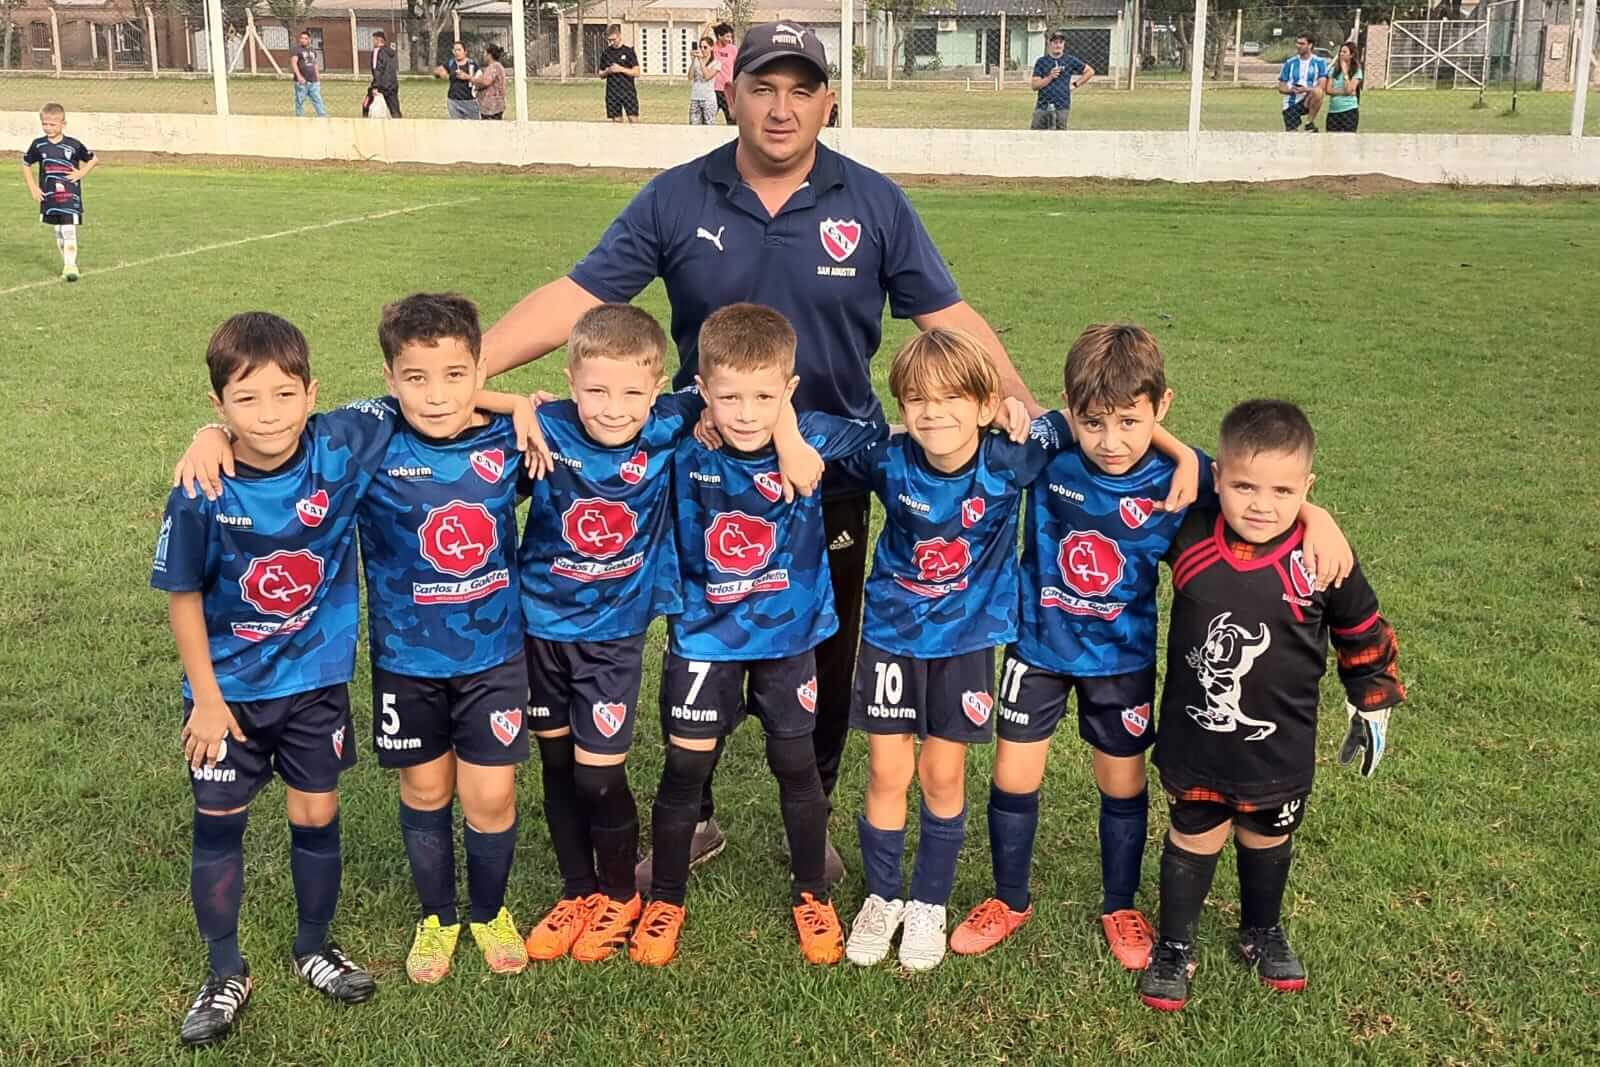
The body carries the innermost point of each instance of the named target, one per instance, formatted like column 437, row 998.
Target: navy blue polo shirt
column 845, row 241
column 1058, row 92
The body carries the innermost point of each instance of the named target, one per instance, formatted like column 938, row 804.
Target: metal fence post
column 1580, row 87
column 1197, row 73
column 847, row 65
column 519, row 58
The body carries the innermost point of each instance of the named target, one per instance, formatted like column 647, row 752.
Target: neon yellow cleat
column 500, row 943
column 431, row 949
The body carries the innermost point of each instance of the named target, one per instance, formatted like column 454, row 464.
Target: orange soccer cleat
column 821, row 936
column 655, row 942
column 986, row 926
column 1129, row 934
column 609, row 926
column 558, row 931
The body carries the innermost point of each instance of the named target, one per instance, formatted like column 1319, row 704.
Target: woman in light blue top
column 1344, row 91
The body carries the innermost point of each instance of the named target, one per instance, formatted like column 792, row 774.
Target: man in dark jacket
column 385, row 76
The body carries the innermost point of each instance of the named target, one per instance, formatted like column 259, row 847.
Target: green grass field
column 1443, row 345
column 1160, row 106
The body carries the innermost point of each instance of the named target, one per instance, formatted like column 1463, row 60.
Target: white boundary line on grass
column 244, row 241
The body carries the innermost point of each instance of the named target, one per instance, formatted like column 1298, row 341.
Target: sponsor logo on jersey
column 633, row 469
column 976, row 707
column 1070, row 494
column 567, row 461
column 884, row 711
column 807, row 694
column 840, row 238
column 313, row 509
column 458, row 537
column 282, row 583
column 1300, row 576
column 238, row 522
column 739, row 543
column 337, row 737
column 1012, row 715
column 972, row 510
column 599, row 530
column 409, row 473
column 769, row 485
column 506, row 725
column 1090, row 562
column 914, row 504
column 609, row 717
column 1136, row 720
column 1136, row 511
column 397, row 744
column 940, row 564
column 489, row 464
column 708, row 479
column 162, row 543
column 688, row 714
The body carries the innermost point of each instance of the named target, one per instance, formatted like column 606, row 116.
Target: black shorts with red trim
column 1198, row 811
column 1116, row 712
column 590, row 686
column 481, row 717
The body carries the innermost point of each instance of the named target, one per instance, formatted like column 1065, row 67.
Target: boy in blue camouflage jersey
column 757, row 601
column 1099, row 520
column 263, row 606
column 941, row 594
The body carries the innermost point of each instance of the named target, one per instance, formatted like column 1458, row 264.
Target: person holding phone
column 1055, row 75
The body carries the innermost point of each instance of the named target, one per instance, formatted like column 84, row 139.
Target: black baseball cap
column 1058, row 35
column 772, row 41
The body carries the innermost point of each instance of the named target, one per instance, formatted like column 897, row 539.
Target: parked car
column 1250, row 48
column 1324, row 53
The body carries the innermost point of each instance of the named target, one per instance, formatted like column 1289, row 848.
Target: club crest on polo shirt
column 840, row 237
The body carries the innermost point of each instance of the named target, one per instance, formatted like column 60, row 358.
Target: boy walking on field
column 63, row 163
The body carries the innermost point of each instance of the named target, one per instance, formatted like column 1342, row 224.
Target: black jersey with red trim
column 1246, row 650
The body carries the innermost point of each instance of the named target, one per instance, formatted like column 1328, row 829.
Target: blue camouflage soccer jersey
column 1091, row 554
column 438, row 545
column 755, row 569
column 944, row 573
column 597, row 560
column 273, row 558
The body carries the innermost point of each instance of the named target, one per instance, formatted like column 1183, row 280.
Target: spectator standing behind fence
column 385, row 77
column 1344, row 91
column 619, row 64
column 459, row 99
column 307, row 82
column 725, row 51
column 490, row 81
column 1303, row 81
column 1055, row 75
column 703, row 67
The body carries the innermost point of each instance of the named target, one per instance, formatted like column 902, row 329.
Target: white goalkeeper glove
column 1367, row 737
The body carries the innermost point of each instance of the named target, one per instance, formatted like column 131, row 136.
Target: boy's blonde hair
column 944, row 359
column 618, row 331
column 1112, row 365
column 747, row 337
column 52, row 109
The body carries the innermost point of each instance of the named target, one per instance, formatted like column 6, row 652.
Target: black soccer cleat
column 1164, row 982
column 336, row 976
column 1266, row 949
column 1310, row 127
column 212, row 1015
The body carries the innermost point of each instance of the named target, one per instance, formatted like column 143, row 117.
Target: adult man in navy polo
column 777, row 219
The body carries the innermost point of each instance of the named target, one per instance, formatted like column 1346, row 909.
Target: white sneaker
column 922, row 941
column 873, row 929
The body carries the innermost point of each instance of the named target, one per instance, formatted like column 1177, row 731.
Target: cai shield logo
column 282, row 583
column 807, row 694
column 971, row 511
column 634, row 467
column 609, row 717
column 506, row 725
column 769, row 485
column 337, row 737
column 977, row 707
column 489, row 464
column 1300, row 576
column 313, row 509
column 1136, row 720
column 458, row 538
column 1091, row 563
column 598, row 529
column 938, row 560
column 840, row 237
column 1136, row 511
column 740, row 544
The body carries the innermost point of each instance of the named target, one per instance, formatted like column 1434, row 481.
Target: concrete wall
column 1153, row 156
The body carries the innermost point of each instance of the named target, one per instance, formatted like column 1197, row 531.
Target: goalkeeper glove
column 1367, row 737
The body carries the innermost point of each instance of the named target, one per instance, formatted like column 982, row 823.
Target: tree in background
column 740, row 13
column 435, row 15
column 905, row 13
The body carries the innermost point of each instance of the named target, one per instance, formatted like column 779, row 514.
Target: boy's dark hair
column 379, row 35
column 721, row 28
column 1306, row 37
column 305, row 33
column 618, row 331
column 614, row 28
column 428, row 318
column 250, row 340
column 1112, row 365
column 746, row 337
column 1257, row 426
column 495, row 51
column 52, row 109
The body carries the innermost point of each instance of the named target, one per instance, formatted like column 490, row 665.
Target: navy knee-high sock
column 881, row 854
column 1013, row 822
column 488, row 869
column 316, row 861
column 938, row 848
column 216, row 884
column 431, row 848
column 1124, row 823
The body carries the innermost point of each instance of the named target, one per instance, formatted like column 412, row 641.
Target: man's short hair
column 1306, row 37
column 250, row 340
column 614, row 29
column 428, row 318
column 379, row 35
column 1257, row 426
column 305, row 33
column 1058, row 36
column 1112, row 365
column 618, row 331
column 747, row 337
column 939, row 359
column 52, row 109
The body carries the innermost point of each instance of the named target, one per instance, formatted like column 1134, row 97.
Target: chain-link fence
column 1490, row 66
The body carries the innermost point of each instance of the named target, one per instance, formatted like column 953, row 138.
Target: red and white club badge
column 609, row 717
column 1090, row 562
column 489, row 464
column 807, row 694
column 598, row 528
column 977, row 707
column 972, row 510
column 840, row 238
column 313, row 509
column 282, row 583
column 338, row 743
column 458, row 538
column 769, row 485
column 506, row 725
column 1300, row 576
column 1136, row 720
column 740, row 544
column 1136, row 511
column 633, row 468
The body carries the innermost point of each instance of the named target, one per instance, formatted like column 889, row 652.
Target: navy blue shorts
column 1116, row 713
column 951, row 698
column 590, row 686
column 705, row 699
column 308, row 739
column 481, row 717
